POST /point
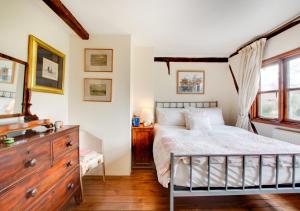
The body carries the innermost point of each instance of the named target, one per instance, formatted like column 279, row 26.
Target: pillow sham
column 197, row 121
column 215, row 115
column 170, row 116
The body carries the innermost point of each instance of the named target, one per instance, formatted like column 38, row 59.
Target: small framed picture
column 7, row 71
column 97, row 89
column 190, row 81
column 46, row 67
column 98, row 60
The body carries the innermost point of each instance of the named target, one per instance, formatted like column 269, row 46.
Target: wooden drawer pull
column 69, row 164
column 31, row 192
column 70, row 186
column 31, row 163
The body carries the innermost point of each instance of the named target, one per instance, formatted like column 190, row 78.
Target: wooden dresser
column 142, row 144
column 40, row 171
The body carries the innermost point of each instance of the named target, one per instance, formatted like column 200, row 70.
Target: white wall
column 109, row 122
column 142, row 78
column 18, row 19
column 281, row 43
column 218, row 86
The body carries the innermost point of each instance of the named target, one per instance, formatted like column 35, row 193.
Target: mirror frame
column 26, row 95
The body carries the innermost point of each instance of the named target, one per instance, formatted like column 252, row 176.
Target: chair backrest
column 89, row 141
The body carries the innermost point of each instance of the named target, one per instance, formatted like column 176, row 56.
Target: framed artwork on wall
column 98, row 60
column 46, row 67
column 7, row 71
column 190, row 81
column 97, row 89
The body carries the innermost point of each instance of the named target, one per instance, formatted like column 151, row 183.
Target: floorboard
column 141, row 191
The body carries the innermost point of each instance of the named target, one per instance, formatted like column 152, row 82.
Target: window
column 278, row 98
column 293, row 89
column 269, row 92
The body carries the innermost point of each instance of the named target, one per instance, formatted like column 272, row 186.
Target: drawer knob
column 69, row 164
column 31, row 163
column 69, row 144
column 70, row 186
column 31, row 192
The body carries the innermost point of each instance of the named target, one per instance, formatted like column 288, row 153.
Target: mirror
column 12, row 86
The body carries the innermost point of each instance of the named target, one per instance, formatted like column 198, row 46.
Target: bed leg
column 171, row 202
column 172, row 183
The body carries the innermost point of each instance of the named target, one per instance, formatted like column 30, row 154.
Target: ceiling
column 184, row 27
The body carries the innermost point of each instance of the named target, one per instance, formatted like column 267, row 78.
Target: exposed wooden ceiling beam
column 59, row 8
column 295, row 21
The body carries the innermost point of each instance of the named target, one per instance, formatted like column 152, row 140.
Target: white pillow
column 197, row 121
column 215, row 115
column 170, row 116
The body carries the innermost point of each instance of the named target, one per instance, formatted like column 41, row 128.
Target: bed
column 220, row 160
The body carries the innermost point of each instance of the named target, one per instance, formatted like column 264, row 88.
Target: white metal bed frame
column 226, row 190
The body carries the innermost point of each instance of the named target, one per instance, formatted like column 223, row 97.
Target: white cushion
column 89, row 159
column 215, row 115
column 170, row 116
column 197, row 121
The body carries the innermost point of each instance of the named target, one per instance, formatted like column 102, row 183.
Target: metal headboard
column 200, row 104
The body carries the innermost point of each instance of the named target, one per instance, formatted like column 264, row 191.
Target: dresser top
column 27, row 138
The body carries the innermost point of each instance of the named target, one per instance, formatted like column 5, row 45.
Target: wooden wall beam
column 191, row 59
column 167, row 60
column 59, row 8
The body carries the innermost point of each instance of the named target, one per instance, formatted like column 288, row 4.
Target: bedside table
column 142, row 143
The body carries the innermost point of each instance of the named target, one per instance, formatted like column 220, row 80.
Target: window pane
column 268, row 105
column 293, row 73
column 269, row 78
column 294, row 105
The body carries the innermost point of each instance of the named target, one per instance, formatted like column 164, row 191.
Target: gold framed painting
column 190, row 81
column 97, row 89
column 7, row 71
column 98, row 60
column 46, row 67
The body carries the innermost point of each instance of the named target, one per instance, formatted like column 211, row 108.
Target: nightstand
column 142, row 143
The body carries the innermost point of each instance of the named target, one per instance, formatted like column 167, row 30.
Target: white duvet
column 221, row 140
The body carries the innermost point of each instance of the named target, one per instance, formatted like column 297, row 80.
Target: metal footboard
column 226, row 190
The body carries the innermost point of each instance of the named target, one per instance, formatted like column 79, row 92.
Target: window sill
column 277, row 123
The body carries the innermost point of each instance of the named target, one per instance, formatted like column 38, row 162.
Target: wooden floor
column 141, row 191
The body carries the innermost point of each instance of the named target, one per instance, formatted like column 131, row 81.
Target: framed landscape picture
column 98, row 60
column 97, row 89
column 7, row 71
column 46, row 67
column 190, row 82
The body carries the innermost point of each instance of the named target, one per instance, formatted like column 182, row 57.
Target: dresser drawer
column 65, row 144
column 25, row 193
column 23, row 161
column 64, row 190
column 63, row 166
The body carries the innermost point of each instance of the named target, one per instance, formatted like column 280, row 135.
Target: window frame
column 282, row 119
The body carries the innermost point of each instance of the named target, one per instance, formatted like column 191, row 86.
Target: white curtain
column 250, row 64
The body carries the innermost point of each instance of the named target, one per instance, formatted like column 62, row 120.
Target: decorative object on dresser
column 190, row 82
column 142, row 142
column 40, row 171
column 46, row 67
column 97, row 89
column 98, row 60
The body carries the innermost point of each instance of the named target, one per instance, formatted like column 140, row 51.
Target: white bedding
column 221, row 140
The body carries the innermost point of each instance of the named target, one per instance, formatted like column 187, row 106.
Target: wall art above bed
column 46, row 67
column 190, row 81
